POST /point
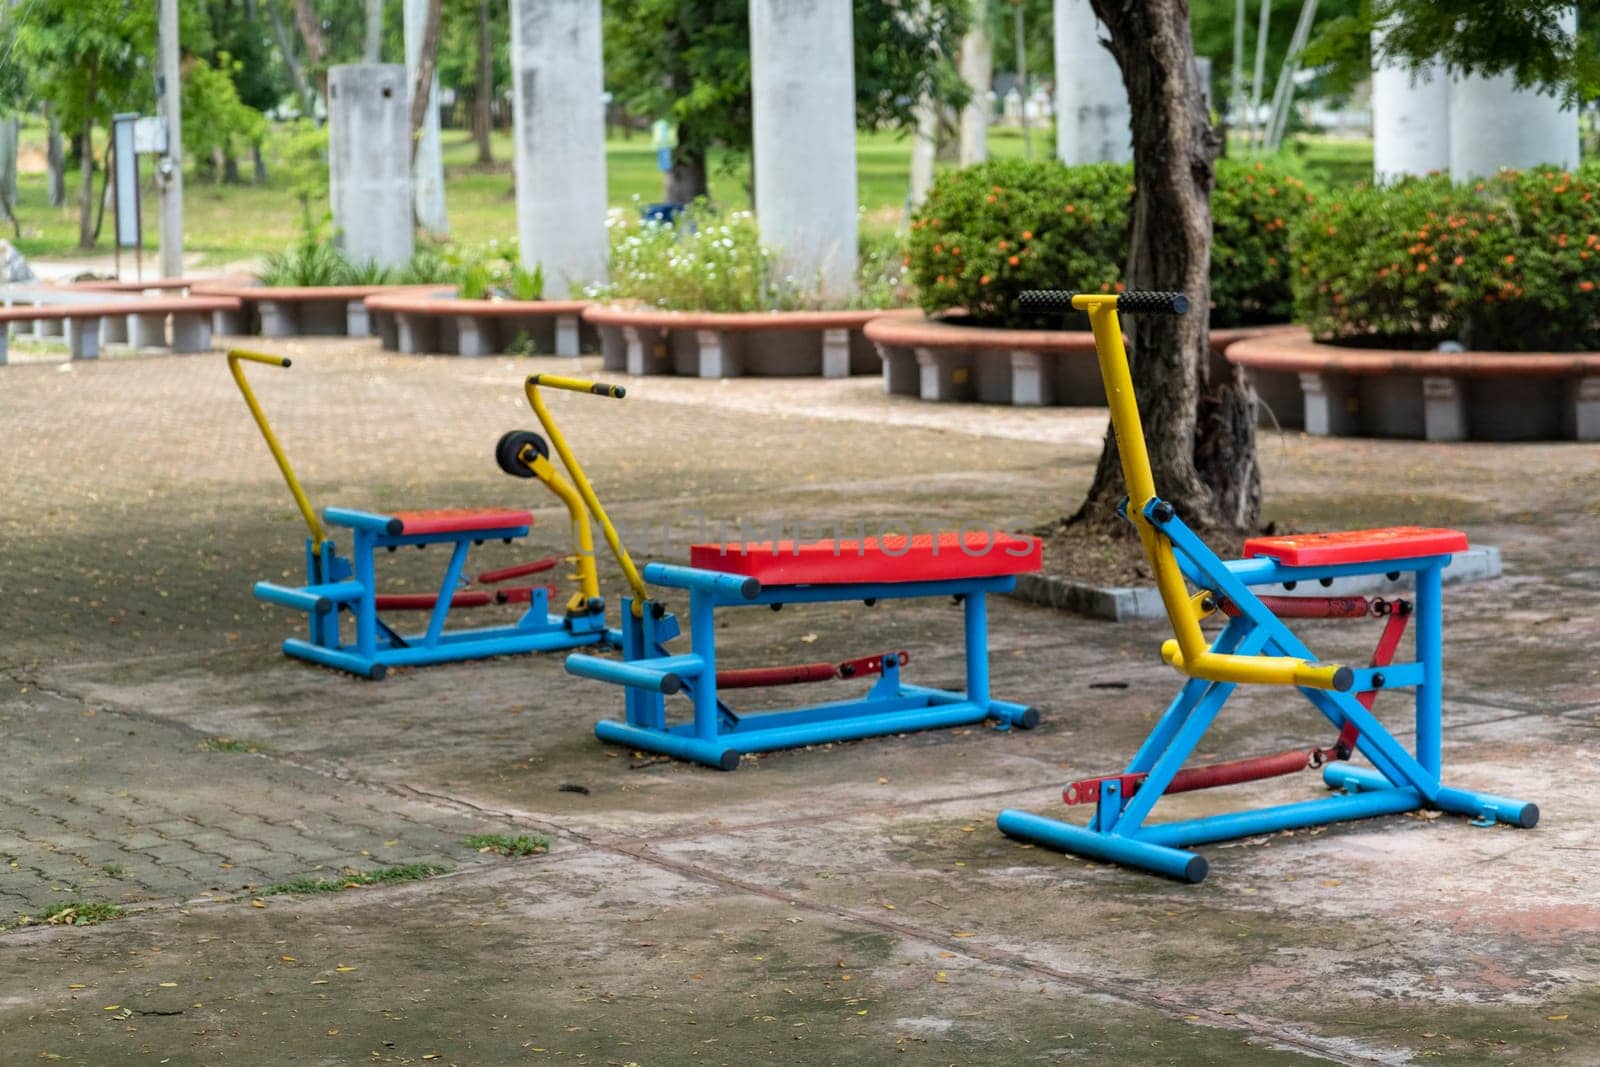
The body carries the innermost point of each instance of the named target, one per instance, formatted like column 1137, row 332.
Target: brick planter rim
column 1293, row 351
column 920, row 331
column 418, row 303
column 730, row 321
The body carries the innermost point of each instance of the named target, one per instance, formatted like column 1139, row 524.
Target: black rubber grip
column 1146, row 301
column 1152, row 302
column 1046, row 301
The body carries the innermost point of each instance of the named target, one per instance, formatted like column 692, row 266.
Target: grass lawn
column 228, row 223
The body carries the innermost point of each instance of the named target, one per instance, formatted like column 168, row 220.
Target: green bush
column 1504, row 263
column 989, row 232
column 477, row 273
column 710, row 261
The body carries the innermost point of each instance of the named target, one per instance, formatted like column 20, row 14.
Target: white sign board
column 150, row 135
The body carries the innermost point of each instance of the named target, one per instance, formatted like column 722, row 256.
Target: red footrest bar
column 804, row 673
column 1209, row 776
column 1309, row 607
column 427, row 601
column 520, row 570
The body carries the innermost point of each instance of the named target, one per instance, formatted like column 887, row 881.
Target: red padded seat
column 1357, row 546
column 922, row 558
column 459, row 520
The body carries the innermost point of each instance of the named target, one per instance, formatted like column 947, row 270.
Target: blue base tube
column 1281, row 817
column 1457, row 801
column 464, row 645
column 711, row 753
column 1131, row 852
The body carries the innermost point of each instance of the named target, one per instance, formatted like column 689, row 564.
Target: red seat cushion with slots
column 460, row 520
column 927, row 558
column 1357, row 546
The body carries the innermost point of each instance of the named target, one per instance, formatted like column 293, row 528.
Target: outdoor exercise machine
column 1256, row 647
column 335, row 583
column 963, row 566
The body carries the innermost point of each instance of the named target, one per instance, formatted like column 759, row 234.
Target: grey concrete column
column 836, row 353
column 357, row 320
column 1444, row 410
column 475, row 336
column 191, row 332
column 1092, row 112
column 559, row 129
column 977, row 70
column 1584, row 412
column 369, row 162
column 1329, row 411
column 278, row 318
column 1410, row 119
column 427, row 177
column 1031, row 378
column 113, row 329
column 147, row 330
column 802, row 77
column 83, row 338
column 1494, row 124
column 569, row 337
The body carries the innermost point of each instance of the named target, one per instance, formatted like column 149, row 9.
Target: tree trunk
column 56, row 164
column 309, row 23
column 427, row 64
column 297, row 73
column 259, row 164
column 483, row 121
column 1199, row 418
column 687, row 181
column 86, row 186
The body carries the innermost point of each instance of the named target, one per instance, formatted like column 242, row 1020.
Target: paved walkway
column 852, row 904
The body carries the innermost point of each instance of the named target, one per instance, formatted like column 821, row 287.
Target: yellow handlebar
column 558, row 442
column 1190, row 652
column 578, row 385
column 306, row 510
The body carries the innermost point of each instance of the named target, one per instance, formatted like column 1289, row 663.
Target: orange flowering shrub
column 1506, row 263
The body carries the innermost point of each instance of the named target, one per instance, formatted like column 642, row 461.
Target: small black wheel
column 509, row 451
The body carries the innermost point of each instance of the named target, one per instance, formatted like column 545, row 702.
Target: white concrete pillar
column 977, row 70
column 1493, row 124
column 924, row 151
column 369, row 162
column 802, row 76
column 559, row 129
column 1410, row 119
column 427, row 177
column 1092, row 115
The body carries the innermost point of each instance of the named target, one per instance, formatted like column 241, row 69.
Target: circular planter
column 1439, row 396
column 937, row 359
column 719, row 344
column 431, row 319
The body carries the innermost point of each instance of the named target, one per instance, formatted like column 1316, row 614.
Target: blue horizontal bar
column 1458, row 801
column 817, row 594
column 711, row 753
column 297, row 597
column 1004, row 710
column 338, row 659
column 832, row 711
column 1281, row 817
column 363, row 520
column 1395, row 676
column 737, row 588
column 1259, row 570
column 655, row 679
column 752, row 736
column 1113, row 848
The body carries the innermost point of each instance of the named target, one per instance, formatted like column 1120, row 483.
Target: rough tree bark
column 687, row 179
column 56, row 162
column 1199, row 414
column 297, row 73
column 86, row 185
column 422, row 88
column 309, row 23
column 483, row 118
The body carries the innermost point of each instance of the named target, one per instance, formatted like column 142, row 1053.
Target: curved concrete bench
column 87, row 320
column 938, row 360
column 1439, row 396
column 724, row 344
column 433, row 320
column 295, row 310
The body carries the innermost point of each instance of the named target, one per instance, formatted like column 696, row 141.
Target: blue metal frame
column 1402, row 781
column 716, row 735
column 336, row 584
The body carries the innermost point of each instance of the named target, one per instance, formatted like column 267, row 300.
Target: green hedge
column 1506, row 263
column 989, row 232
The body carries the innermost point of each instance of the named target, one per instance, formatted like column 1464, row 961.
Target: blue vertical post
column 976, row 616
column 367, row 605
column 1430, row 652
column 703, row 640
column 447, row 592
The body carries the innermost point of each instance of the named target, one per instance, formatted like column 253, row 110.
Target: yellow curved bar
column 578, row 385
column 307, row 512
column 585, row 490
column 1190, row 652
column 587, row 577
